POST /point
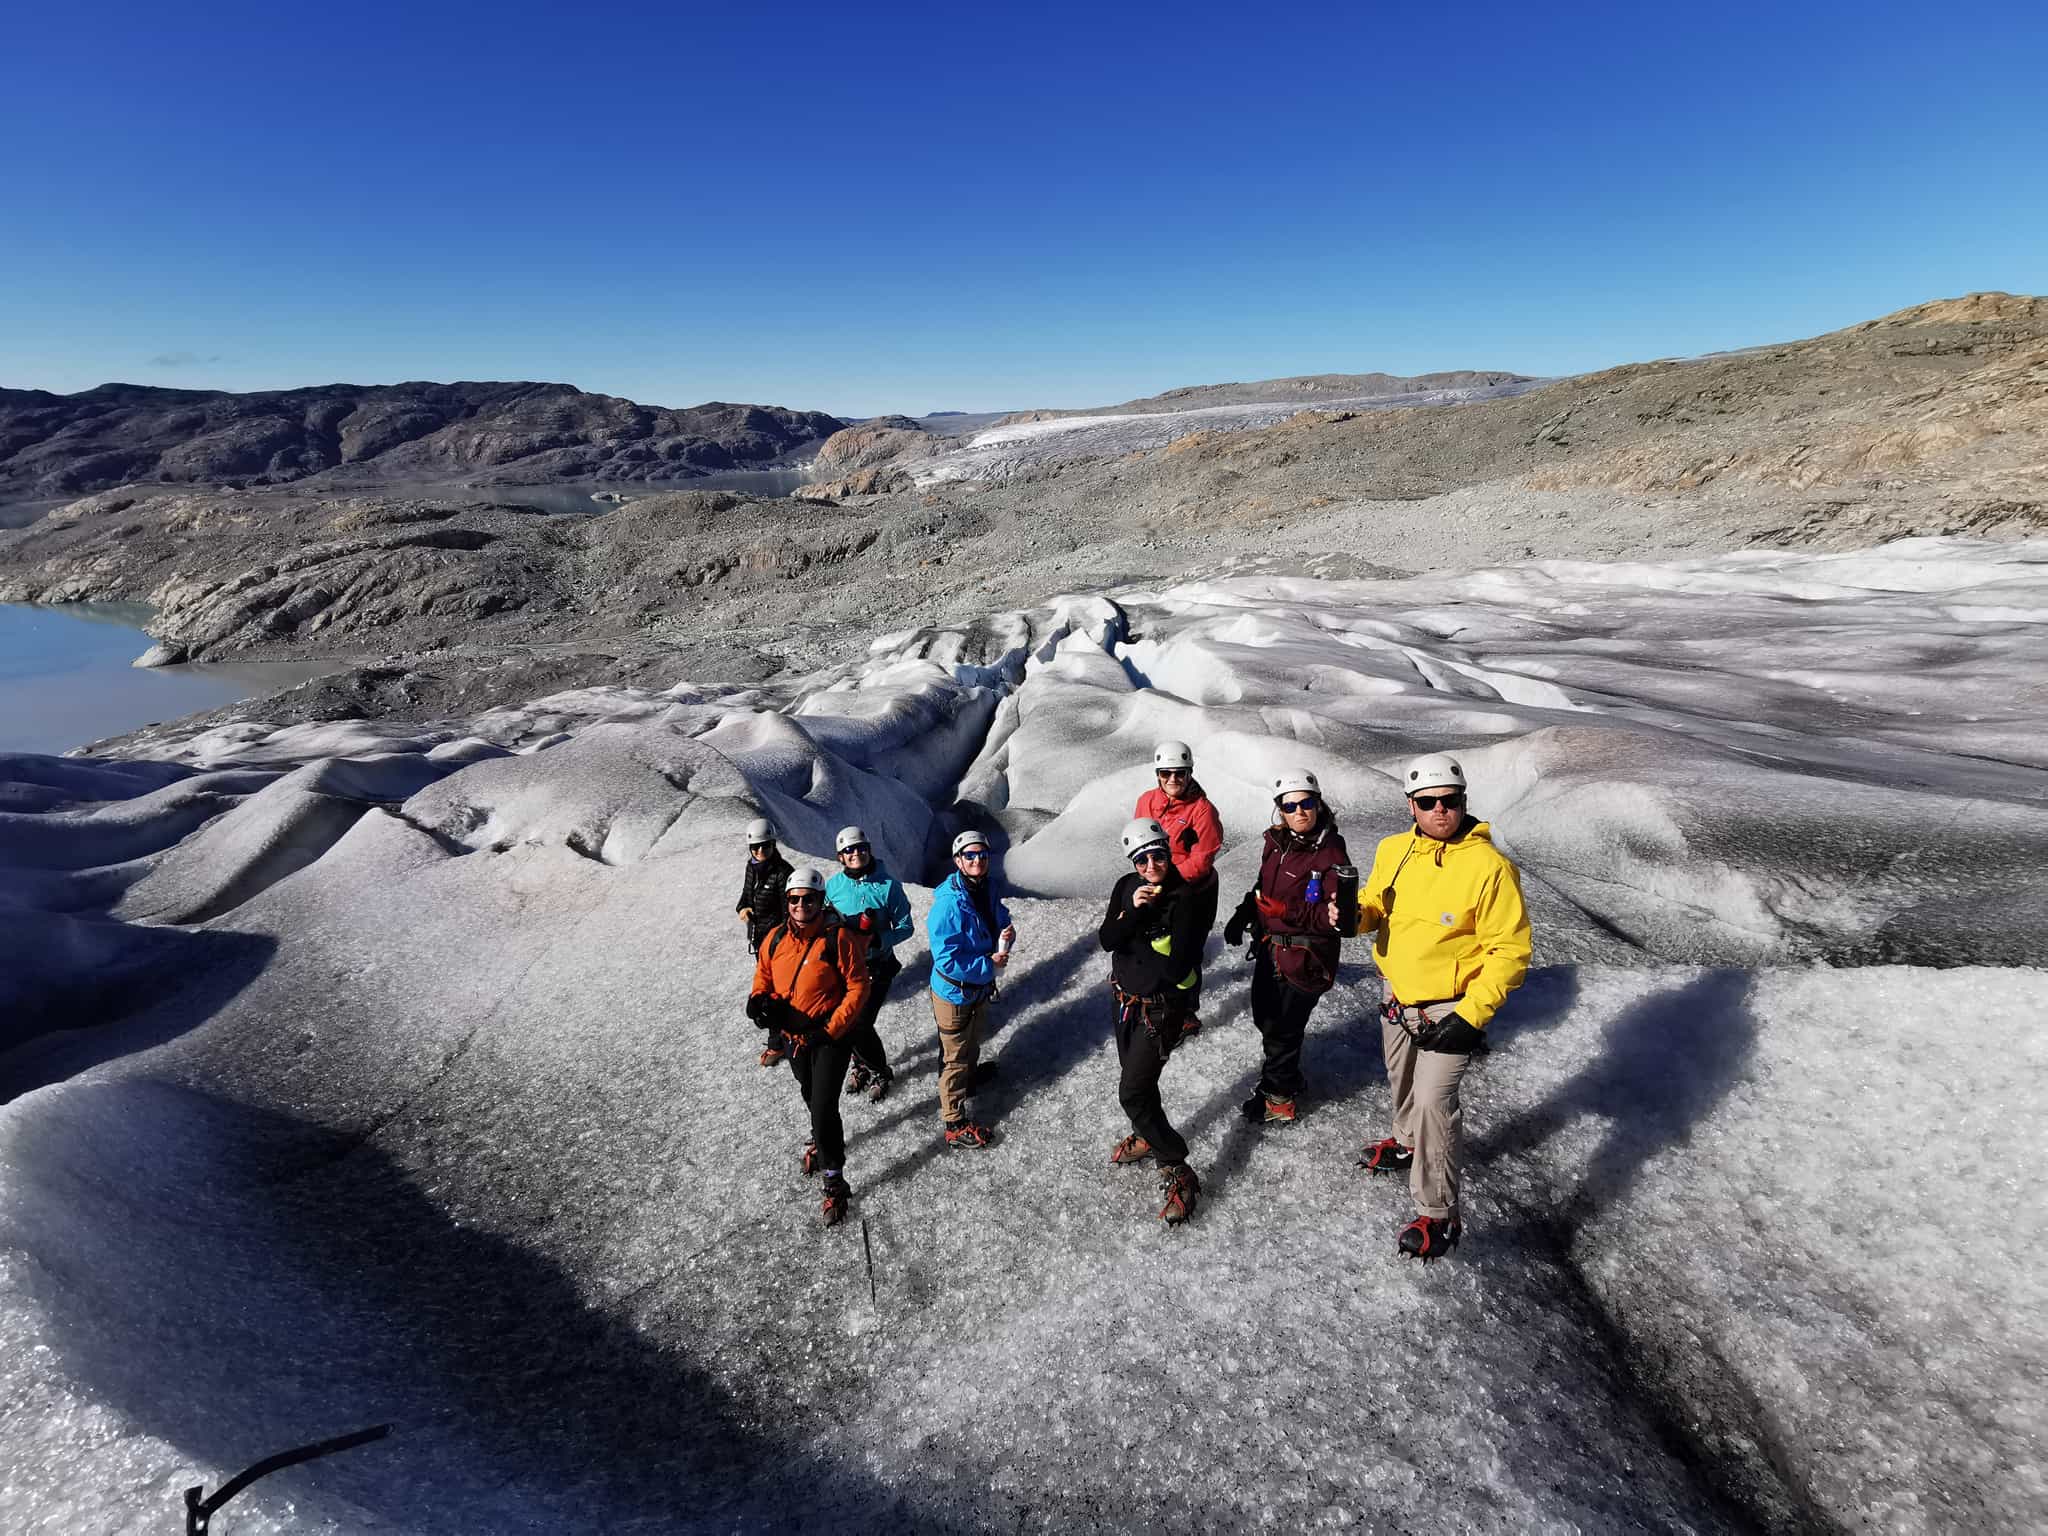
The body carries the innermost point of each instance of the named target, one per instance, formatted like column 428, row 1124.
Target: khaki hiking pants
column 959, row 1052
column 1429, row 1117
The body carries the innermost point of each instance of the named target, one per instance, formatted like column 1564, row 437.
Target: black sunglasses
column 1454, row 801
column 853, row 848
column 1306, row 803
column 1151, row 856
column 1173, row 773
column 803, row 898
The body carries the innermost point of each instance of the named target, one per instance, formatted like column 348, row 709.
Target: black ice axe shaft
column 199, row 1510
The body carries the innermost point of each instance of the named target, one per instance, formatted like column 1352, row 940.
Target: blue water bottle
column 1315, row 888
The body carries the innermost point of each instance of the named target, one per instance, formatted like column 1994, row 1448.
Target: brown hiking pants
column 1429, row 1117
column 959, row 1052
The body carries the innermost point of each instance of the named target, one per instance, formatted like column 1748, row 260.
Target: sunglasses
column 1173, row 773
column 1451, row 802
column 853, row 848
column 1294, row 807
column 1151, row 856
column 803, row 899
column 973, row 856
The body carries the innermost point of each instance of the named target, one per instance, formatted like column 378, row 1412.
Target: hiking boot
column 1386, row 1156
column 858, row 1079
column 1133, row 1148
column 1180, row 1189
column 878, row 1090
column 1428, row 1237
column 810, row 1158
column 774, row 1051
column 1190, row 1026
column 837, row 1192
column 965, row 1133
column 1261, row 1110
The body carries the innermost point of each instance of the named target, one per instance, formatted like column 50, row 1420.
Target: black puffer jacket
column 761, row 891
column 1142, row 964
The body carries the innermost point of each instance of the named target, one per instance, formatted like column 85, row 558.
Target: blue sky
column 912, row 207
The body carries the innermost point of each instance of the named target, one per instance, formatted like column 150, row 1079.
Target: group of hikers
column 1442, row 906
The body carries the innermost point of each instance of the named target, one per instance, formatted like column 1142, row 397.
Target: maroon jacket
column 1284, row 872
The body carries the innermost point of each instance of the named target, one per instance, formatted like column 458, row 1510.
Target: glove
column 1450, row 1035
column 1238, row 929
column 1187, row 839
column 758, row 1008
column 1270, row 908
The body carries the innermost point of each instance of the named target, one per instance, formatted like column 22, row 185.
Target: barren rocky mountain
column 1932, row 420
column 53, row 445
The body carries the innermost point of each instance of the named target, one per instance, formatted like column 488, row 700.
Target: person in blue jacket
column 970, row 935
column 870, row 900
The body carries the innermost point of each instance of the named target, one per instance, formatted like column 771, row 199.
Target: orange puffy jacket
column 824, row 977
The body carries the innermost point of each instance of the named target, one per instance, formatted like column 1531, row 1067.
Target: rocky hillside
column 57, row 445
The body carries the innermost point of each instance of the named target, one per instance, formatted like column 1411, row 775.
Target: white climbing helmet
column 1436, row 770
column 759, row 832
column 1299, row 782
column 1142, row 834
column 805, row 879
column 1173, row 754
column 966, row 840
column 849, row 837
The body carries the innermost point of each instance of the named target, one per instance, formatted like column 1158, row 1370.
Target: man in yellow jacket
column 1444, row 907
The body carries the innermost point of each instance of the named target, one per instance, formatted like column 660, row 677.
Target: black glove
column 1450, row 1035
column 1188, row 839
column 1242, row 921
column 759, row 1007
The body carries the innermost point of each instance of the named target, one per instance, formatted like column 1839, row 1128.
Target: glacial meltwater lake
column 66, row 678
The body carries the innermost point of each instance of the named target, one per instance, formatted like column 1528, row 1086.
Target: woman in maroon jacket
column 1288, row 917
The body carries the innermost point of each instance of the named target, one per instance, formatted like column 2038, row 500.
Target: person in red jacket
column 1194, row 836
column 811, row 982
column 1289, row 917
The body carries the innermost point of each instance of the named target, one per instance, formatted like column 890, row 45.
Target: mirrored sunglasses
column 853, row 848
column 1150, row 856
column 1305, row 803
column 1454, row 801
column 973, row 855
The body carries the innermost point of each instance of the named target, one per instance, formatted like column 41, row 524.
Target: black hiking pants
column 866, row 1040
column 819, row 1063
column 1281, row 1014
column 1143, row 1059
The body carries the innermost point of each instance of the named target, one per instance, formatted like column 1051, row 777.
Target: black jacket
column 1128, row 932
column 762, row 891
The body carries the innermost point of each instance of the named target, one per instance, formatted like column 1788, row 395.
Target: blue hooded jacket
column 873, row 890
column 962, row 942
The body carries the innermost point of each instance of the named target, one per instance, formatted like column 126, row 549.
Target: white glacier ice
column 362, row 1072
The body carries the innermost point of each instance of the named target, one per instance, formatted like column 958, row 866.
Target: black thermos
column 1346, row 876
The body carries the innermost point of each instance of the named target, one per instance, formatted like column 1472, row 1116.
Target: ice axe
column 200, row 1510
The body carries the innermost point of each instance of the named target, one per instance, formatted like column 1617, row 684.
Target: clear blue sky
column 901, row 207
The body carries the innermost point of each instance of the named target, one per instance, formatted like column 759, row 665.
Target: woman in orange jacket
column 810, row 982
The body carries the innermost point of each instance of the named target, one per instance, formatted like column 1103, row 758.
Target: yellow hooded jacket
column 1447, row 920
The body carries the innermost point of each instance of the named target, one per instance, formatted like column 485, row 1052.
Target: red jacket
column 1194, row 832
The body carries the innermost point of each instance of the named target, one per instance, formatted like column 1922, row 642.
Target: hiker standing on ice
column 811, row 983
column 870, row 900
column 970, row 935
column 760, row 904
column 1194, row 836
column 1451, row 938
column 1294, row 934
column 1154, row 931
